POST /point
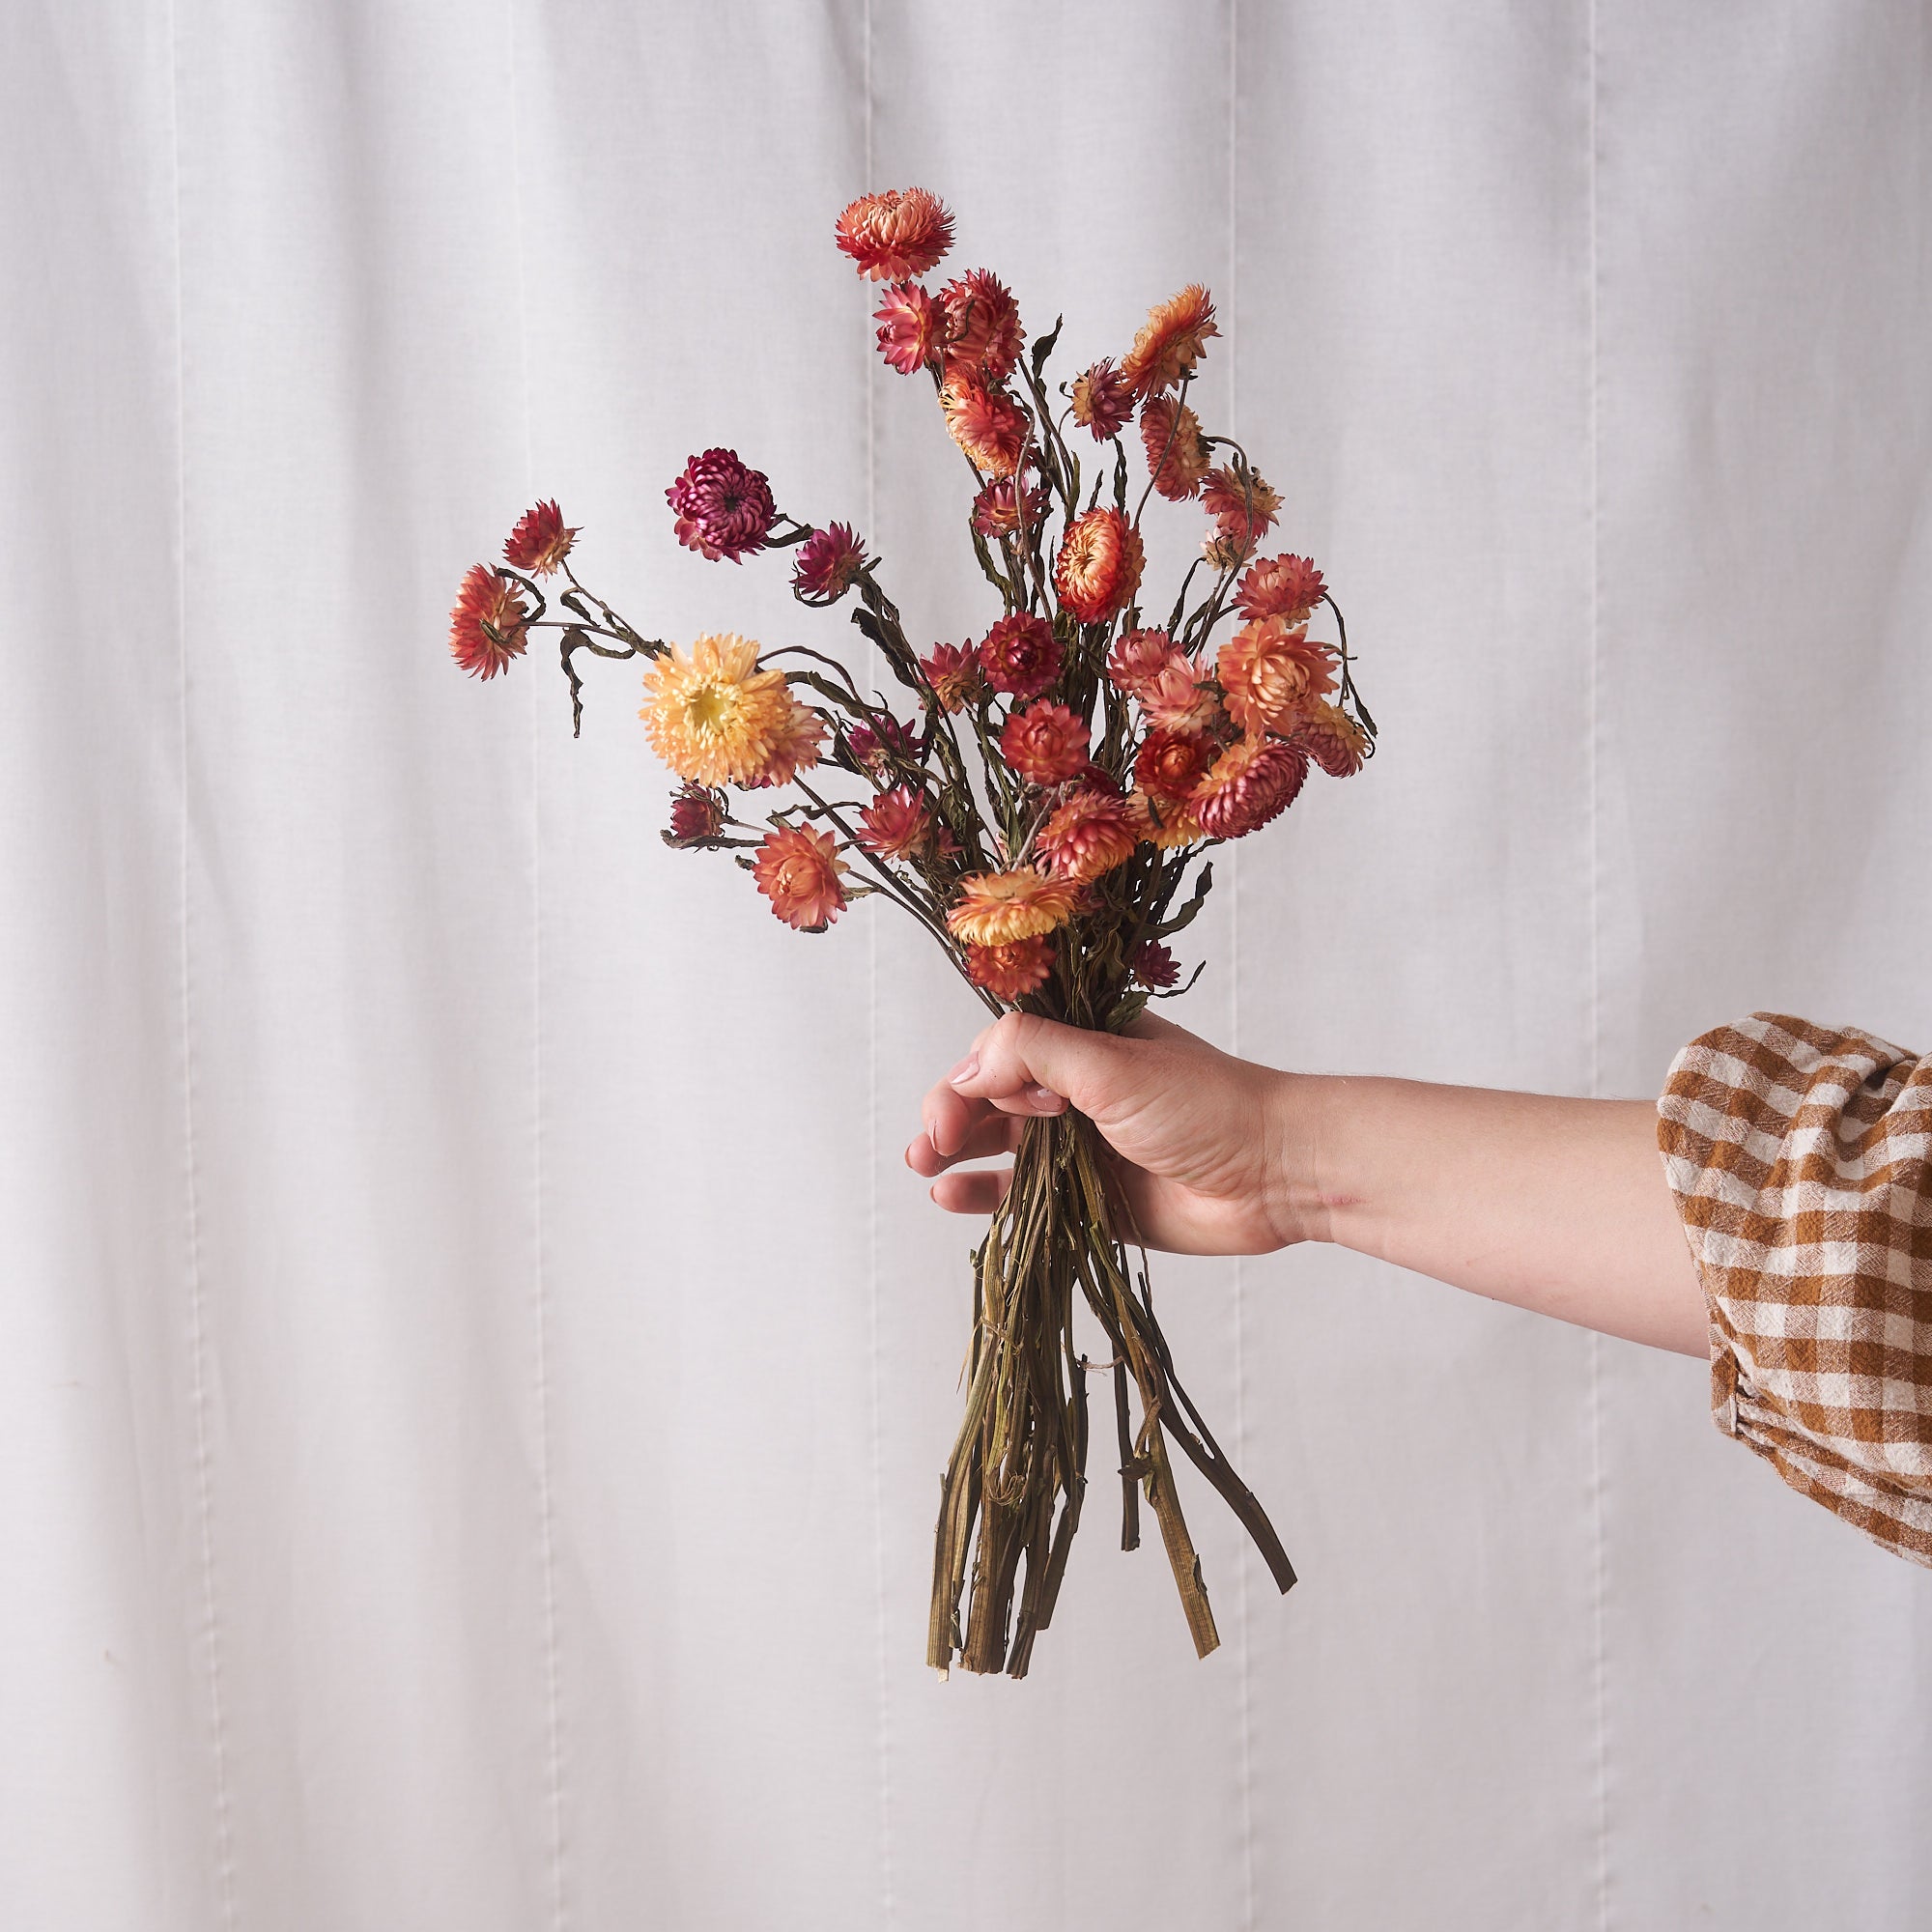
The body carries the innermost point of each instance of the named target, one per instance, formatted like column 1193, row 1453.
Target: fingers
column 976, row 1193
column 990, row 1135
column 1025, row 1065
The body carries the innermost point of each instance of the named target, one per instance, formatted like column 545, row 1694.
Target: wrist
column 1308, row 1135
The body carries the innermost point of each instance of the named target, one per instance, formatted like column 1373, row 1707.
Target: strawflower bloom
column 999, row 508
column 1139, row 657
column 1163, row 823
column 828, row 563
column 1178, row 699
column 896, row 825
column 1336, row 742
column 486, row 629
column 800, row 872
column 714, row 717
column 724, row 507
column 1020, row 655
column 1169, row 764
column 1280, row 587
column 1176, row 452
column 876, row 748
column 895, row 235
column 982, row 327
column 1245, row 508
column 1252, row 782
column 1273, row 675
column 1010, row 972
column 1221, row 552
column 953, row 670
column 1103, row 400
column 796, row 746
column 1046, row 744
column 1170, row 341
column 697, row 815
column 1088, row 835
column 912, row 327
column 1153, row 965
column 999, row 908
column 987, row 424
column 540, row 542
column 1098, row 568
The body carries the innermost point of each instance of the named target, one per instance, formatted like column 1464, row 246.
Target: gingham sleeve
column 1799, row 1157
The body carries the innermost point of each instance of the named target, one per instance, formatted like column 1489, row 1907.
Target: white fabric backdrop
column 473, row 1372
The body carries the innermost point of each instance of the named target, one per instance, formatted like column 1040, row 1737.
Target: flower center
column 710, row 708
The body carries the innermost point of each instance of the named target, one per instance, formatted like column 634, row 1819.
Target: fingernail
column 1043, row 1096
column 965, row 1071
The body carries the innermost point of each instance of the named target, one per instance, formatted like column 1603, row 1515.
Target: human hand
column 1199, row 1137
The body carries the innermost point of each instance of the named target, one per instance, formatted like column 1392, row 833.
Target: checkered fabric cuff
column 1797, row 1155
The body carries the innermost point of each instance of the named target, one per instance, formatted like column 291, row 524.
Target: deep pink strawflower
column 875, row 748
column 1020, row 655
column 724, row 507
column 999, row 509
column 912, row 327
column 540, row 542
column 1153, row 965
column 1103, row 400
column 697, row 815
column 486, row 629
column 828, row 563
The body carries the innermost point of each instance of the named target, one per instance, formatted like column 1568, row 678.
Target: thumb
column 1026, row 1065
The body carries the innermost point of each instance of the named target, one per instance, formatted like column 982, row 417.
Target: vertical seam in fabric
column 197, row 1305
column 554, row 1781
column 1243, row 1560
column 884, row 1740
column 1600, row 1578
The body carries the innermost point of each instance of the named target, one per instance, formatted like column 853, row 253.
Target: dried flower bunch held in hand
column 1041, row 799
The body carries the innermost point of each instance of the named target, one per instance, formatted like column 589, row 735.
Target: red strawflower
column 1103, row 400
column 983, row 335
column 1139, row 657
column 1098, row 568
column 1009, row 972
column 1088, row 835
column 896, row 233
column 540, row 542
column 697, row 815
column 799, row 871
column 1176, row 452
column 895, row 824
column 987, row 424
column 1280, row 587
column 1153, row 965
column 912, row 327
column 954, row 672
column 1169, row 764
column 1244, row 507
column 876, row 748
column 724, row 507
column 998, row 508
column 1046, row 744
column 1020, row 655
column 827, row 565
column 1253, row 781
column 486, row 629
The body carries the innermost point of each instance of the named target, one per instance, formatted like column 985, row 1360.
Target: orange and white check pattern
column 1801, row 1157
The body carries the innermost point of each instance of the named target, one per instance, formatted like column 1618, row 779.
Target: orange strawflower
column 1244, row 508
column 1280, row 587
column 896, row 825
column 1176, row 452
column 983, row 335
column 1098, row 568
column 1252, row 780
column 1336, row 741
column 1273, row 675
column 486, row 629
column 1009, row 972
column 540, row 542
column 953, row 670
column 714, row 717
column 1046, row 744
column 1170, row 341
column 896, row 234
column 912, row 327
column 1163, row 823
column 987, row 424
column 1089, row 835
column 999, row 908
column 800, row 872
column 1103, row 400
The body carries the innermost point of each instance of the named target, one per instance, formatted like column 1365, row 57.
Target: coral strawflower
column 796, row 746
column 715, row 717
column 1176, row 452
column 953, row 670
column 1170, row 341
column 987, row 424
column 912, row 327
column 1153, row 965
column 1169, row 764
column 1244, row 507
column 1001, row 507
column 1103, row 400
column 1280, row 587
column 1020, row 655
column 999, row 908
column 724, row 507
column 1088, row 835
column 540, row 542
column 696, row 816
column 983, row 335
column 486, row 629
column 1164, row 822
column 1046, row 744
column 828, row 564
column 1253, row 781
column 1010, row 972
column 1273, row 675
column 896, row 233
column 1178, row 699
column 1138, row 657
column 1098, row 568
column 1336, row 741
column 896, row 825
column 800, row 872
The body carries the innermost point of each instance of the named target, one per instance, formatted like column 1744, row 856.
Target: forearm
column 1554, row 1205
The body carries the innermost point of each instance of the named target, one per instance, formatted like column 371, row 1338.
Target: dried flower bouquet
column 1044, row 813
